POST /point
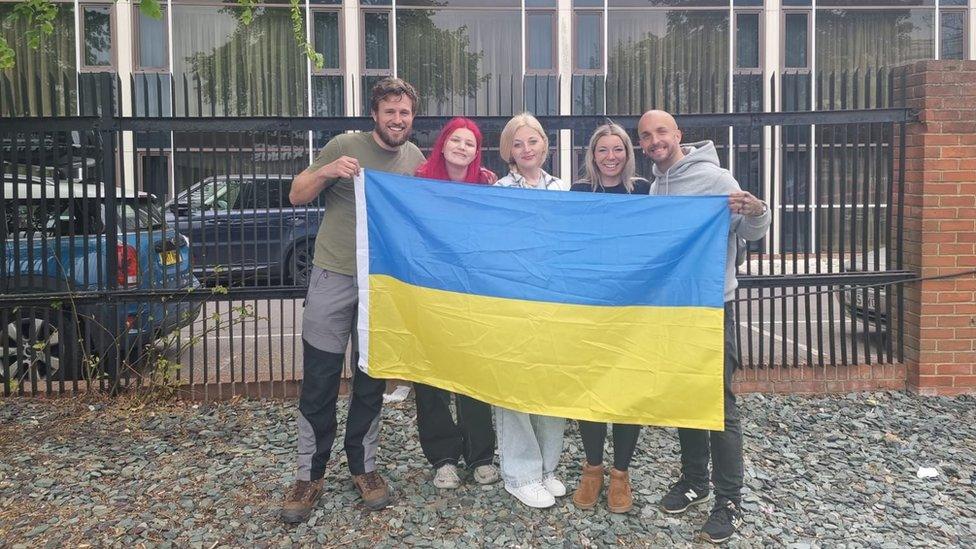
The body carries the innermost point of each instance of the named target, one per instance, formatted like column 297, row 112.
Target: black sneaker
column 682, row 495
column 723, row 522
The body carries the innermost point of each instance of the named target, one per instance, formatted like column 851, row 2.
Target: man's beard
column 389, row 139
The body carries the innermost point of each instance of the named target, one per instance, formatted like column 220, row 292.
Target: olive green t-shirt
column 335, row 245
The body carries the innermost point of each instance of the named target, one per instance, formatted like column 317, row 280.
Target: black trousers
column 624, row 442
column 317, row 420
column 445, row 441
column 724, row 448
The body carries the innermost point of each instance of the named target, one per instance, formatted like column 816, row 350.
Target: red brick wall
column 940, row 226
column 814, row 379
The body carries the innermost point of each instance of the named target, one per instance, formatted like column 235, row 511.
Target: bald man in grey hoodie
column 692, row 169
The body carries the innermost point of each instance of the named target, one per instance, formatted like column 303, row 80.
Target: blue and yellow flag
column 579, row 305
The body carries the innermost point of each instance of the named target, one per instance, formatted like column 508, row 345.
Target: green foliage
column 40, row 16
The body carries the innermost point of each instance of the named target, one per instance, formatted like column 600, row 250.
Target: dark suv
column 243, row 229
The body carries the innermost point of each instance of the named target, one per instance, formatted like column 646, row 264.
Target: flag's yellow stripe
column 646, row 365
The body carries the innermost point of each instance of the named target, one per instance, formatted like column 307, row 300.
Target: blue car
column 243, row 230
column 55, row 241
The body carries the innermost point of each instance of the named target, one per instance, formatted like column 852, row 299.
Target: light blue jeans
column 529, row 446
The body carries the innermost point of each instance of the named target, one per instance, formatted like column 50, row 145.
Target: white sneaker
column 533, row 495
column 447, row 477
column 554, row 486
column 486, row 474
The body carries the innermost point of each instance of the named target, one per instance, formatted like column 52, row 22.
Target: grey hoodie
column 699, row 172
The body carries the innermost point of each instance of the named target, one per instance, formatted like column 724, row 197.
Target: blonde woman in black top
column 609, row 168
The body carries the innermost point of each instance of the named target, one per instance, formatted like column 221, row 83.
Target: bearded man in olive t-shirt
column 331, row 303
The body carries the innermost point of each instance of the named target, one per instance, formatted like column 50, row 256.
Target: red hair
column 435, row 167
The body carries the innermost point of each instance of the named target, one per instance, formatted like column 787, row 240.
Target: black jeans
column 724, row 447
column 442, row 439
column 624, row 442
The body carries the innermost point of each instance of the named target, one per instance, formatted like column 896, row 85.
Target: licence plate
column 170, row 258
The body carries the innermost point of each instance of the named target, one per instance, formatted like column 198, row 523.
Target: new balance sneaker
column 682, row 495
column 446, row 477
column 533, row 495
column 554, row 486
column 724, row 521
column 486, row 474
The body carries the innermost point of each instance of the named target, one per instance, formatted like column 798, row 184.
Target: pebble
column 832, row 470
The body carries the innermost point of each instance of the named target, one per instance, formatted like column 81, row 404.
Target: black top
column 641, row 186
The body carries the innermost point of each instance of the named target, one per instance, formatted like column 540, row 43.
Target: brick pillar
column 940, row 226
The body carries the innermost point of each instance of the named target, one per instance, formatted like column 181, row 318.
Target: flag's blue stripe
column 563, row 247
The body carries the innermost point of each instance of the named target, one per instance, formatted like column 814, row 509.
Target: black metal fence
column 197, row 277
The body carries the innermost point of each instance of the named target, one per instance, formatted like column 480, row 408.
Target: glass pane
column 42, row 81
column 952, row 3
column 541, row 3
column 155, row 175
column 674, row 60
column 325, row 29
column 796, row 41
column 462, row 61
column 951, row 33
column 747, row 40
column 98, row 36
column 152, row 94
column 223, row 68
column 587, row 3
column 376, row 40
column 327, row 96
column 540, row 39
column 589, row 51
column 375, row 2
column 870, row 39
column 152, row 42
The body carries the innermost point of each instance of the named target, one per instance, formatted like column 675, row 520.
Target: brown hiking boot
column 590, row 485
column 298, row 505
column 373, row 489
column 619, row 497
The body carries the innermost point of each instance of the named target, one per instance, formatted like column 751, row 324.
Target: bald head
column 660, row 138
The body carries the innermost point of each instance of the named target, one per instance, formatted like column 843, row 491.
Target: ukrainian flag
column 579, row 305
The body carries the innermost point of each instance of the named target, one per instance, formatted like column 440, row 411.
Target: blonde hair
column 518, row 122
column 593, row 175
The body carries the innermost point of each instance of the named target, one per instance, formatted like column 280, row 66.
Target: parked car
column 243, row 229
column 54, row 240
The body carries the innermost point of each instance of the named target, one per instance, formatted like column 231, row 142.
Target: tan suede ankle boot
column 590, row 486
column 620, row 499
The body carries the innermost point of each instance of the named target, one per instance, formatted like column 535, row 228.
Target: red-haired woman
column 456, row 156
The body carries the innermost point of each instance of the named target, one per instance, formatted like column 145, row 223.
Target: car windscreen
column 78, row 217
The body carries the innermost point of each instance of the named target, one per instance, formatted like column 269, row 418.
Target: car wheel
column 38, row 344
column 300, row 264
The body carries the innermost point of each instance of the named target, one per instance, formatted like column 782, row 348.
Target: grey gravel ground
column 820, row 472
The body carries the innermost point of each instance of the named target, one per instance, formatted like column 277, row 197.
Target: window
column 376, row 42
column 151, row 42
column 462, row 57
column 588, row 42
column 223, row 68
column 952, row 34
column 96, row 27
column 328, row 98
column 42, row 82
column 796, row 41
column 747, row 39
column 154, row 173
column 269, row 194
column 676, row 60
column 540, row 42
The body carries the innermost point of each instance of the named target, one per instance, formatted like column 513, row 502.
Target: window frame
column 602, row 41
column 326, row 71
column 83, row 67
column 554, row 46
column 761, row 33
column 137, row 41
column 391, row 16
column 965, row 29
column 782, row 43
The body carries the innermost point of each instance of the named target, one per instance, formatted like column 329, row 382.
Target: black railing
column 822, row 288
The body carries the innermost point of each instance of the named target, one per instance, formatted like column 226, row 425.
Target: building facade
column 554, row 57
